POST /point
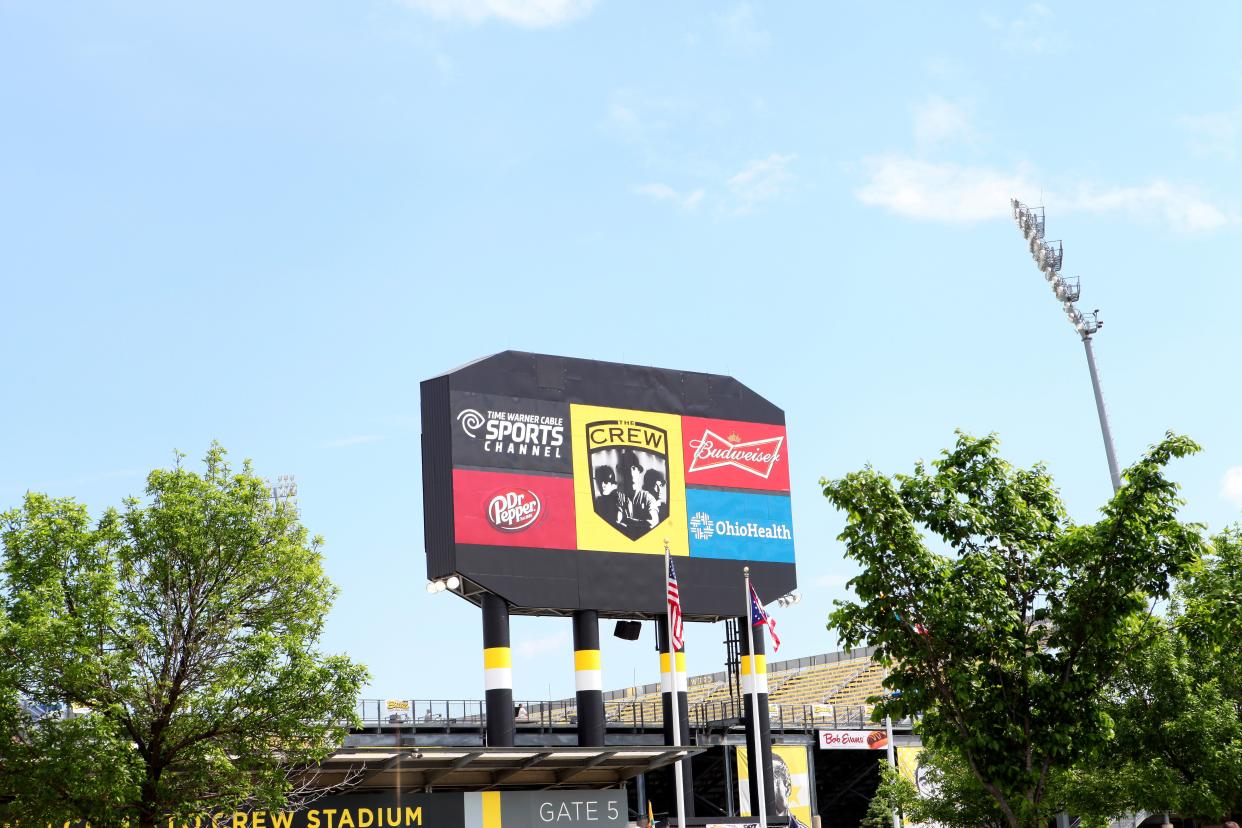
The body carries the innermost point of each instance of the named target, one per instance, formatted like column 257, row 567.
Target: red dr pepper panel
column 503, row 509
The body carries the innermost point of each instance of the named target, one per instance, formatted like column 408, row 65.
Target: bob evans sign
column 853, row 740
column 490, row 809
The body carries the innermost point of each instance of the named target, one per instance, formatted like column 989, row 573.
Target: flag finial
column 746, row 570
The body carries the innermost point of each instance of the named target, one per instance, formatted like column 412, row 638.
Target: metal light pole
column 1049, row 257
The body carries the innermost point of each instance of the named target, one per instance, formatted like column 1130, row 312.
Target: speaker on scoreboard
column 628, row 630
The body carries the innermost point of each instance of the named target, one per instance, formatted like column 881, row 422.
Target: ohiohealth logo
column 704, row 528
column 701, row 526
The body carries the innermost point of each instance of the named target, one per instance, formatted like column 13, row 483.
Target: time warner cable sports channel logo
column 515, row 432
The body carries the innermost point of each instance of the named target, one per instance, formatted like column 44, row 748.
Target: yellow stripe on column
column 587, row 673
column 497, row 668
column 495, row 657
column 491, row 806
column 755, row 683
column 586, row 660
column 666, row 678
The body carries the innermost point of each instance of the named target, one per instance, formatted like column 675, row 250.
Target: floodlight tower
column 1049, row 256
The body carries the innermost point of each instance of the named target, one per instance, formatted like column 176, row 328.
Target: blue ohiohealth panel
column 740, row 525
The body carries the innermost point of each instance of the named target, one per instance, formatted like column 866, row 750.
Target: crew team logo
column 711, row 451
column 629, row 474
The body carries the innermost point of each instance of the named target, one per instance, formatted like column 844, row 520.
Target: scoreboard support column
column 497, row 671
column 673, row 674
column 588, row 679
column 755, row 680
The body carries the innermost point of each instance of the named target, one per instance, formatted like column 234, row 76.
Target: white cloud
column 1231, row 486
column 1031, row 31
column 1179, row 207
column 531, row 14
column 741, row 32
column 1217, row 135
column 548, row 643
column 354, row 440
column 663, row 192
column 760, row 181
column 937, row 121
column 940, row 192
column 955, row 193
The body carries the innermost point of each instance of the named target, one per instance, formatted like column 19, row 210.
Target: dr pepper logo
column 514, row 509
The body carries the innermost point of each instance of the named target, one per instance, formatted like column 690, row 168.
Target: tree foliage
column 1177, row 706
column 1003, row 640
column 181, row 632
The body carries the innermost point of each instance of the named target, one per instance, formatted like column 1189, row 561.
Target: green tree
column 182, row 631
column 1177, row 706
column 951, row 797
column 1003, row 641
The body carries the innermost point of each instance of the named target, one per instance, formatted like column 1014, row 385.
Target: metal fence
column 452, row 714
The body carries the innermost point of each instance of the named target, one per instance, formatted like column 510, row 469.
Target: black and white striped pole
column 497, row 671
column 588, row 679
column 758, row 728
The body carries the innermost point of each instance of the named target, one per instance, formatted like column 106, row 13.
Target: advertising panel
column 508, row 509
column 791, row 784
column 910, row 765
column 740, row 525
column 853, row 739
column 628, row 481
column 735, row 454
column 555, row 483
column 509, row 433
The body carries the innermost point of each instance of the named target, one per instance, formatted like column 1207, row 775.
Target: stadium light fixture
column 789, row 599
column 1049, row 257
column 441, row 584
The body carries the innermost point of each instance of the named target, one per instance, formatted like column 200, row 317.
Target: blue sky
column 266, row 223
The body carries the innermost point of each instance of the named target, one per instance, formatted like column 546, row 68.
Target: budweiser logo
column 711, row 451
column 513, row 510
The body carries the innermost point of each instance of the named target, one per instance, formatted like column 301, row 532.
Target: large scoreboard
column 556, row 483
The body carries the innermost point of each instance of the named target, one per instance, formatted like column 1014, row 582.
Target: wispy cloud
column 355, row 440
column 1180, row 207
column 741, row 32
column 663, row 192
column 1217, row 135
column 1231, row 486
column 937, row 122
column 760, row 181
column 941, row 192
column 955, row 193
column 1031, row 32
column 546, row 644
column 531, row 14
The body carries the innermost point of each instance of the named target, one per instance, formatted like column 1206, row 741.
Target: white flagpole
column 672, row 670
column 755, row 767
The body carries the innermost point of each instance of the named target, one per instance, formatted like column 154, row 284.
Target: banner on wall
column 853, row 740
column 791, row 784
column 910, row 766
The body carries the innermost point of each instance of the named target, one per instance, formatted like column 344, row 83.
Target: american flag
column 674, row 610
column 758, row 615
